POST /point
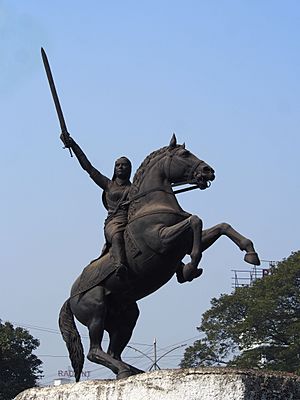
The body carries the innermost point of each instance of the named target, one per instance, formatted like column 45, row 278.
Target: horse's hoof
column 252, row 258
column 190, row 272
column 179, row 273
column 136, row 371
column 198, row 272
column 125, row 373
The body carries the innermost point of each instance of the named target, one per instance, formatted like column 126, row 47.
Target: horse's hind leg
column 209, row 236
column 92, row 313
column 120, row 325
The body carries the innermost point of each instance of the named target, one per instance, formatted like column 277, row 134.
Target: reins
column 139, row 195
column 159, row 189
column 187, row 189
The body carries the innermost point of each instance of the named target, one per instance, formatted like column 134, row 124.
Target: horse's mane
column 143, row 168
column 140, row 172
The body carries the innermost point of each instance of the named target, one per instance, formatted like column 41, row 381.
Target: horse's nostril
column 208, row 170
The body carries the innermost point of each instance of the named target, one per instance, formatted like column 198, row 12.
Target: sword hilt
column 70, row 150
column 65, row 138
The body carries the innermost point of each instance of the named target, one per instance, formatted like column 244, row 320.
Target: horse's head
column 184, row 167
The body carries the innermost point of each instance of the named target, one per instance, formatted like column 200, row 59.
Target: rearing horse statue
column 158, row 236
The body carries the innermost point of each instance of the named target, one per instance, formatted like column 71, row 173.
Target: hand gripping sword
column 62, row 122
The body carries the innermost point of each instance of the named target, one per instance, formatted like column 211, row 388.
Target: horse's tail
column 71, row 336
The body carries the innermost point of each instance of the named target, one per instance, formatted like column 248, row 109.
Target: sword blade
column 53, row 91
column 61, row 118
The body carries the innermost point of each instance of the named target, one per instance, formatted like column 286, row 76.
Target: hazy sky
column 223, row 75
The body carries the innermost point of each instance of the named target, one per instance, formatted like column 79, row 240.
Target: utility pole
column 154, row 360
column 155, row 365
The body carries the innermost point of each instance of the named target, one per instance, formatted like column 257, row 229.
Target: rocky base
column 178, row 384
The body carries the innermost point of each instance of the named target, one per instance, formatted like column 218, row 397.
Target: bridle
column 167, row 168
column 189, row 174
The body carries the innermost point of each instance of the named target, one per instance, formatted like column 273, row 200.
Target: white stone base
column 178, row 384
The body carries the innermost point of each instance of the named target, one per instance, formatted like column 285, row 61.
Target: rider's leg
column 118, row 254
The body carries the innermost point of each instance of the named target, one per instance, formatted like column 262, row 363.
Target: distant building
column 61, row 381
column 244, row 278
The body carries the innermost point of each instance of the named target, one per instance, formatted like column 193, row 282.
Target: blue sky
column 223, row 75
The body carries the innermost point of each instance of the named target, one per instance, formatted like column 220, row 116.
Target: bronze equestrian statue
column 158, row 235
column 148, row 234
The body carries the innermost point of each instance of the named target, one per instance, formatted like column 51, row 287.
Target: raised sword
column 62, row 122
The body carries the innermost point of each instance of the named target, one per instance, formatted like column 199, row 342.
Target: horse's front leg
column 169, row 234
column 209, row 236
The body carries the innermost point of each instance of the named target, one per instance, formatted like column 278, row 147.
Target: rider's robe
column 112, row 199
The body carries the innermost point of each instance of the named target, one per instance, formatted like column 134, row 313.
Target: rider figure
column 115, row 192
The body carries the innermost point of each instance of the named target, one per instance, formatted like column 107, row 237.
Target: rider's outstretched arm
column 98, row 178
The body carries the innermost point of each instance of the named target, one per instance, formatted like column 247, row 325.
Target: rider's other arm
column 98, row 178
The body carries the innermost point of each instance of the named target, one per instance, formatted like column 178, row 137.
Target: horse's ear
column 183, row 145
column 173, row 141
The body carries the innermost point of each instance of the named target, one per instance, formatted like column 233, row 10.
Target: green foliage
column 19, row 368
column 256, row 326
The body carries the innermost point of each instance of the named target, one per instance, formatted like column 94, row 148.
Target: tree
column 254, row 327
column 19, row 368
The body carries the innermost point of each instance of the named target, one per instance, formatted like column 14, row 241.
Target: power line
column 50, row 355
column 56, row 331
column 143, row 353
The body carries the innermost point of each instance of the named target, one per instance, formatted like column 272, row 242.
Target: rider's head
column 122, row 168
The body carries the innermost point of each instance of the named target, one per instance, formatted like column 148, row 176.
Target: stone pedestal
column 178, row 384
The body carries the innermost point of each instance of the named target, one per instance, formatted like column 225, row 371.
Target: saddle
column 95, row 272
